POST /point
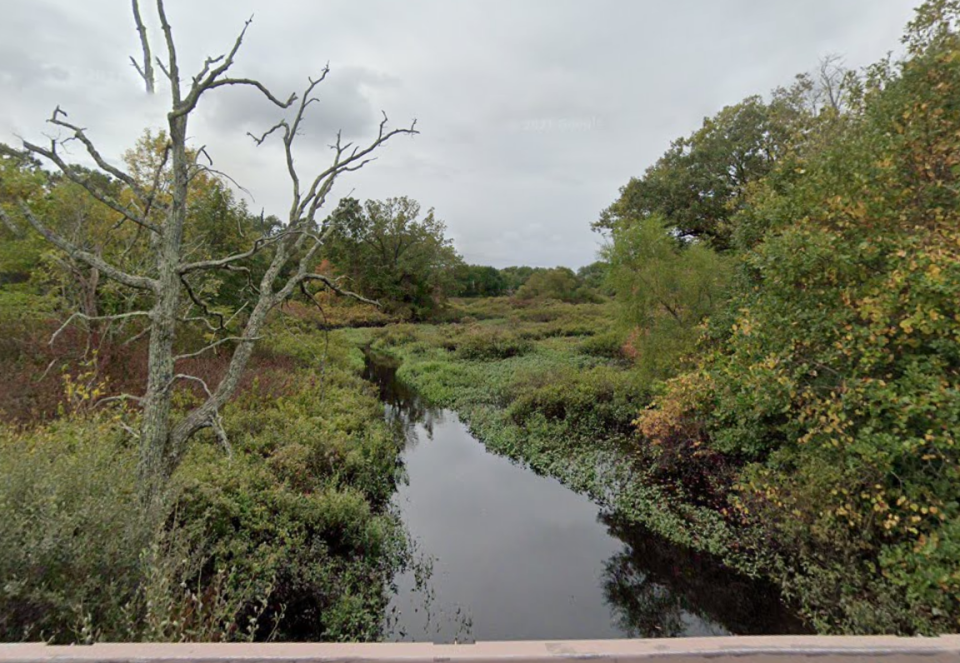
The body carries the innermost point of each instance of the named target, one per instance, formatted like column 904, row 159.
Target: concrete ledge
column 823, row 649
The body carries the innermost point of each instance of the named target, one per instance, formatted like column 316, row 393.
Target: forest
column 762, row 365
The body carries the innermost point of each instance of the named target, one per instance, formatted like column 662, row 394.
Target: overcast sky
column 532, row 114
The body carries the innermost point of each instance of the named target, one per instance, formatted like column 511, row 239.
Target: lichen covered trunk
column 158, row 455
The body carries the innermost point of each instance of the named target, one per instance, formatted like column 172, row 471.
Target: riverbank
column 516, row 555
column 548, row 384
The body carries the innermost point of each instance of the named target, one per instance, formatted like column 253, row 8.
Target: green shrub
column 70, row 535
column 608, row 345
column 486, row 343
column 79, row 563
column 599, row 401
column 289, row 537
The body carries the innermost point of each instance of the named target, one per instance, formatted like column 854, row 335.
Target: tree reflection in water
column 658, row 589
column 653, row 588
column 405, row 410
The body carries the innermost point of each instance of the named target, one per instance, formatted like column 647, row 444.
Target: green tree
column 516, row 276
column 559, row 283
column 595, row 275
column 479, row 281
column 833, row 376
column 696, row 185
column 388, row 252
column 666, row 286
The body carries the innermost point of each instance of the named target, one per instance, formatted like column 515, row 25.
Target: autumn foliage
column 832, row 376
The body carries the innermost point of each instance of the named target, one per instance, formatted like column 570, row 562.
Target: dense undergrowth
column 777, row 383
column 551, row 385
column 286, row 537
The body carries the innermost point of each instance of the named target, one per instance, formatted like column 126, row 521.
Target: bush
column 608, row 345
column 290, row 537
column 487, row 343
column 599, row 401
column 70, row 535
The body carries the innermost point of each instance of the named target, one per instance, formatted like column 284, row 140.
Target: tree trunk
column 158, row 457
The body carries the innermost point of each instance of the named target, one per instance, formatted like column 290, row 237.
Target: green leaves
column 665, row 286
column 832, row 376
column 391, row 254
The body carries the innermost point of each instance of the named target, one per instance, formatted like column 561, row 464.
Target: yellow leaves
column 85, row 388
column 745, row 327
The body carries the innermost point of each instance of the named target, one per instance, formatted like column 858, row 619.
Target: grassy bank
column 551, row 385
column 548, row 383
column 554, row 386
column 285, row 537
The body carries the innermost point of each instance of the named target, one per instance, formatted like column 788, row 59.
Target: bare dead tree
column 145, row 71
column 164, row 283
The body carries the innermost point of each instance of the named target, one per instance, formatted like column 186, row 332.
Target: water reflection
column 404, row 409
column 658, row 589
column 519, row 556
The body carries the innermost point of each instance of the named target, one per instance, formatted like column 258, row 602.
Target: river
column 515, row 555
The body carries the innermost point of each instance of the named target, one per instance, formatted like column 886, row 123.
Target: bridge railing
column 748, row 649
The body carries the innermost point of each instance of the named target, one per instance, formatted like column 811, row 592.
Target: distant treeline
column 391, row 252
column 560, row 283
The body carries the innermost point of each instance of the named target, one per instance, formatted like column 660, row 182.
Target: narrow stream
column 517, row 556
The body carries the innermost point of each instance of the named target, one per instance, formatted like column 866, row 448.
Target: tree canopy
column 389, row 252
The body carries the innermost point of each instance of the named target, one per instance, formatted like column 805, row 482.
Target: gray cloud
column 532, row 114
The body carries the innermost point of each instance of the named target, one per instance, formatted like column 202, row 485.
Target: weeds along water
column 549, row 386
column 515, row 554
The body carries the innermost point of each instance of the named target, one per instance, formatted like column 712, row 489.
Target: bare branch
column 219, row 263
column 120, row 397
column 11, row 226
column 221, row 433
column 211, row 76
column 203, row 305
column 157, row 175
column 80, row 135
column 200, row 168
column 97, row 318
column 217, row 344
column 330, row 283
column 206, row 68
column 357, row 158
column 205, row 321
column 136, row 337
column 258, row 85
column 278, row 125
column 192, row 378
column 164, row 69
column 173, row 73
column 127, row 428
column 52, row 155
column 118, row 275
column 146, row 72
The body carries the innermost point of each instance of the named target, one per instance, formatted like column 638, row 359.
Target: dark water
column 519, row 556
